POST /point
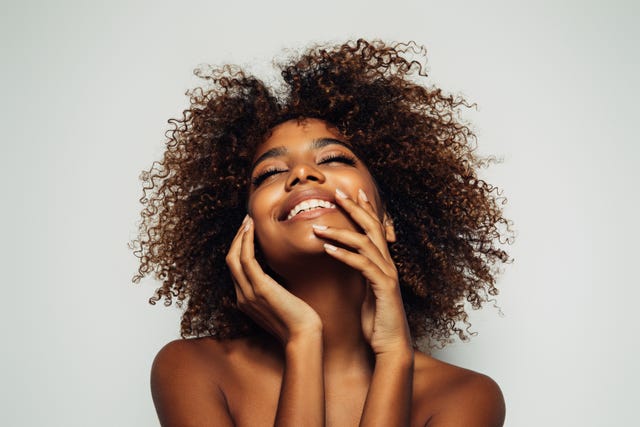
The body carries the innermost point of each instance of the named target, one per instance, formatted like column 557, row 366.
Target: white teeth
column 309, row 204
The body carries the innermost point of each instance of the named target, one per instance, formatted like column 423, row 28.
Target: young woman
column 365, row 228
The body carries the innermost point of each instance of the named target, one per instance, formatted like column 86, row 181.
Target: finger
column 370, row 224
column 250, row 286
column 235, row 265
column 234, row 250
column 378, row 279
column 235, row 243
column 363, row 201
column 249, row 308
column 358, row 241
column 250, row 265
column 267, row 294
column 240, row 297
column 262, row 284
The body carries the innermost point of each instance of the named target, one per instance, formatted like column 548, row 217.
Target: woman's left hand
column 384, row 321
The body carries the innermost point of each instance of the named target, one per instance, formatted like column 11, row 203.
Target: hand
column 384, row 322
column 268, row 303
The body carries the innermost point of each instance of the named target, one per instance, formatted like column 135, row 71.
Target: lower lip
column 313, row 213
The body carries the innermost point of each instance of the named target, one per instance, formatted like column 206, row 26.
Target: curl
column 449, row 223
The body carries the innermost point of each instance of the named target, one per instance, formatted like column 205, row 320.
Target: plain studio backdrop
column 86, row 90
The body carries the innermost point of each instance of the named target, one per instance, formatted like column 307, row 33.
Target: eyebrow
column 316, row 144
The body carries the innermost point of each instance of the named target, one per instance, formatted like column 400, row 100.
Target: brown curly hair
column 449, row 223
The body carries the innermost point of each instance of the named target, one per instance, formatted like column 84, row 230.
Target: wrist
column 304, row 341
column 402, row 356
column 308, row 332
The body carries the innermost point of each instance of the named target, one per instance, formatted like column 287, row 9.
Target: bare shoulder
column 451, row 396
column 185, row 378
column 195, row 359
column 204, row 381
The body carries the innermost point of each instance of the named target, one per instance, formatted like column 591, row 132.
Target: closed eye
column 266, row 174
column 340, row 158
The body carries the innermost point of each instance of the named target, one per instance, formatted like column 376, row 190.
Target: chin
column 287, row 252
column 308, row 245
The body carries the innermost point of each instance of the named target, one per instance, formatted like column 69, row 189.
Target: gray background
column 87, row 87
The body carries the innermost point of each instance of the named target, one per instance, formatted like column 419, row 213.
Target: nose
column 302, row 173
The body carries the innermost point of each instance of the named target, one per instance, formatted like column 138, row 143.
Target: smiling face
column 295, row 174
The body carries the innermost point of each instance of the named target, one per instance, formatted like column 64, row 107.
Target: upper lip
column 301, row 196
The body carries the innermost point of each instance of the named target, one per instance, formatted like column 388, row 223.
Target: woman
column 309, row 312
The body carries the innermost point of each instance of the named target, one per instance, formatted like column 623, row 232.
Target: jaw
column 309, row 268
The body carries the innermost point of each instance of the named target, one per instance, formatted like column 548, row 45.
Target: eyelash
column 342, row 158
column 264, row 175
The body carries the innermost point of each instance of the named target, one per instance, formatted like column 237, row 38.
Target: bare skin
column 339, row 351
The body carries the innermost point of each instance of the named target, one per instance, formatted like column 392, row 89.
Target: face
column 295, row 174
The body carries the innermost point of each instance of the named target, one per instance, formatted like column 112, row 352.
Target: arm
column 301, row 399
column 384, row 322
column 389, row 398
column 474, row 402
column 293, row 322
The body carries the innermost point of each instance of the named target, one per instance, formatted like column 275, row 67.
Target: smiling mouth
column 309, row 205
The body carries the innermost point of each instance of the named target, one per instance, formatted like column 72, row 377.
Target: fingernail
column 329, row 247
column 247, row 223
column 319, row 227
column 246, row 217
column 362, row 195
column 340, row 194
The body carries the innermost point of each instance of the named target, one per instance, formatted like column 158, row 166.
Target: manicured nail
column 246, row 217
column 340, row 194
column 329, row 247
column 319, row 227
column 247, row 224
column 362, row 195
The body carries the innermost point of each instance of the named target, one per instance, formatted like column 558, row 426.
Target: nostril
column 304, row 173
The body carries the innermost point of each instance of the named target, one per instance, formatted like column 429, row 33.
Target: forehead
column 295, row 134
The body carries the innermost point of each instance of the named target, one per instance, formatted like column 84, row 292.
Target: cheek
column 258, row 205
column 351, row 184
column 260, row 208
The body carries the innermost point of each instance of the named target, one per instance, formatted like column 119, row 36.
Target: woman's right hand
column 268, row 303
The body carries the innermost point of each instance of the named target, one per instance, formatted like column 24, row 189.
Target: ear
column 389, row 231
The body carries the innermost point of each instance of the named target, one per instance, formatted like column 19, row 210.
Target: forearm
column 389, row 398
column 302, row 392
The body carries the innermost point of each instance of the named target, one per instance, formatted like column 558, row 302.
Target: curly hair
column 449, row 223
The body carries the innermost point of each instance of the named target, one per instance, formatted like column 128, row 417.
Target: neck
column 335, row 292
